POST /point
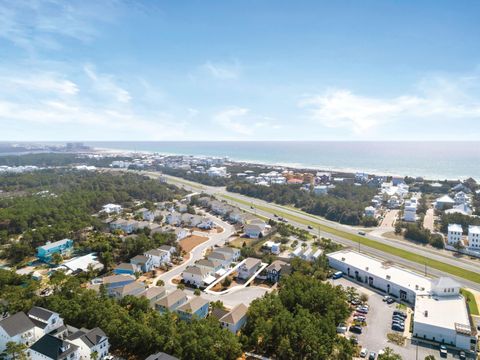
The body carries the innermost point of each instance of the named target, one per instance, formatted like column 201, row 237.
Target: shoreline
column 289, row 166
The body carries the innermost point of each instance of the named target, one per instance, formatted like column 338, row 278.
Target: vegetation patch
column 471, row 301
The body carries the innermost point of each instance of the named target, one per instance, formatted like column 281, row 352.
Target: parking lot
column 379, row 321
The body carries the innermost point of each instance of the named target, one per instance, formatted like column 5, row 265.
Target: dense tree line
column 134, row 329
column 417, row 233
column 345, row 203
column 56, row 159
column 463, row 220
column 68, row 206
column 200, row 178
column 299, row 322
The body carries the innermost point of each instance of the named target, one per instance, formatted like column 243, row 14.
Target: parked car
column 363, row 233
column 362, row 309
column 310, row 227
column 396, row 327
column 372, row 356
column 399, row 318
column 462, row 355
column 399, row 323
column 443, row 351
column 400, row 313
column 360, row 317
column 363, row 352
column 385, row 298
column 337, row 275
column 390, row 300
column 341, row 329
column 355, row 301
column 355, row 329
column 354, row 340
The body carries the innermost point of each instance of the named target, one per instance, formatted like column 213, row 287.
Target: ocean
column 431, row 160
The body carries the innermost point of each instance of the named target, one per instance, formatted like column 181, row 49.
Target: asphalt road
column 443, row 256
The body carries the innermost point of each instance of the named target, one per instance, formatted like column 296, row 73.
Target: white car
column 363, row 352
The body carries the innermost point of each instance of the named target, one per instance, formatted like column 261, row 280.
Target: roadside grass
column 407, row 255
column 472, row 303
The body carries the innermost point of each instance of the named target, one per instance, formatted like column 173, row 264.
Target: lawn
column 451, row 269
column 472, row 303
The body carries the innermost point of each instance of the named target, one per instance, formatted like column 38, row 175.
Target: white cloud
column 107, row 86
column 239, row 120
column 223, row 71
column 43, row 82
column 435, row 98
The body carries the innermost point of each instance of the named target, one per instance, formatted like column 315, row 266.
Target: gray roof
column 124, row 266
column 195, row 270
column 55, row 244
column 90, row 338
column 237, row 313
column 50, row 346
column 276, row 265
column 40, row 313
column 171, row 298
column 161, row 356
column 16, row 324
column 193, row 305
column 250, row 263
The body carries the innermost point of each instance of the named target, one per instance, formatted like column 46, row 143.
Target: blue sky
column 239, row 70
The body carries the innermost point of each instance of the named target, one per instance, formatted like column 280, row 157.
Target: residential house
column 146, row 214
column 464, row 209
column 307, row 254
column 236, row 216
column 235, row 319
column 272, row 247
column 45, row 320
column 225, row 259
column 112, row 209
column 204, row 201
column 62, row 247
column 444, row 202
column 219, row 208
column 90, row 342
column 253, row 231
column 161, row 356
column 277, row 269
column 410, row 210
column 297, row 252
column 153, row 294
column 461, row 198
column 182, row 208
column 196, row 307
column 248, row 268
column 50, row 347
column 171, row 249
column 125, row 268
column 206, row 224
column 474, row 237
column 173, row 218
column 197, row 276
column 370, row 211
column 320, row 190
column 232, row 252
column 127, row 226
column 211, row 266
column 158, row 256
column 17, row 328
column 180, row 233
column 142, row 262
column 113, row 282
column 133, row 288
column 172, row 301
column 317, row 254
column 454, row 234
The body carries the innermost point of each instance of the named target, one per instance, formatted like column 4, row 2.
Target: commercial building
column 62, row 247
column 441, row 313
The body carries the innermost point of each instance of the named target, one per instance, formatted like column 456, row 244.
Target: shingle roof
column 117, row 278
column 218, row 313
column 276, row 265
column 193, row 305
column 161, row 356
column 171, row 298
column 127, row 289
column 152, row 292
column 16, row 324
column 237, row 313
column 125, row 266
column 40, row 313
column 218, row 255
column 89, row 337
column 251, row 263
column 50, row 346
column 195, row 270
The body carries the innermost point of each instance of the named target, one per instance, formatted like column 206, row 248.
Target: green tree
column 56, row 259
column 16, row 350
column 389, row 354
column 160, row 283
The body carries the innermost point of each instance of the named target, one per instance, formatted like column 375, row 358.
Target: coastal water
column 432, row 160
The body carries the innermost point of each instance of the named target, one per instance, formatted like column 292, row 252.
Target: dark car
column 354, row 340
column 390, row 300
column 355, row 329
column 400, row 313
column 310, row 227
column 396, row 327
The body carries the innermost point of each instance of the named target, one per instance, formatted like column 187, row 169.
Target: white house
column 370, row 211
column 444, row 202
column 158, row 256
column 146, row 214
column 50, row 347
column 224, row 258
column 235, row 319
column 112, row 209
column 454, row 234
column 248, row 268
column 410, row 210
column 272, row 247
column 253, row 231
column 45, row 320
column 173, row 218
column 232, row 252
column 198, row 276
column 474, row 237
column 90, row 342
column 18, row 328
column 180, row 233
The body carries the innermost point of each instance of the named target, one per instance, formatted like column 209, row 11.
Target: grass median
column 472, row 303
column 407, row 255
